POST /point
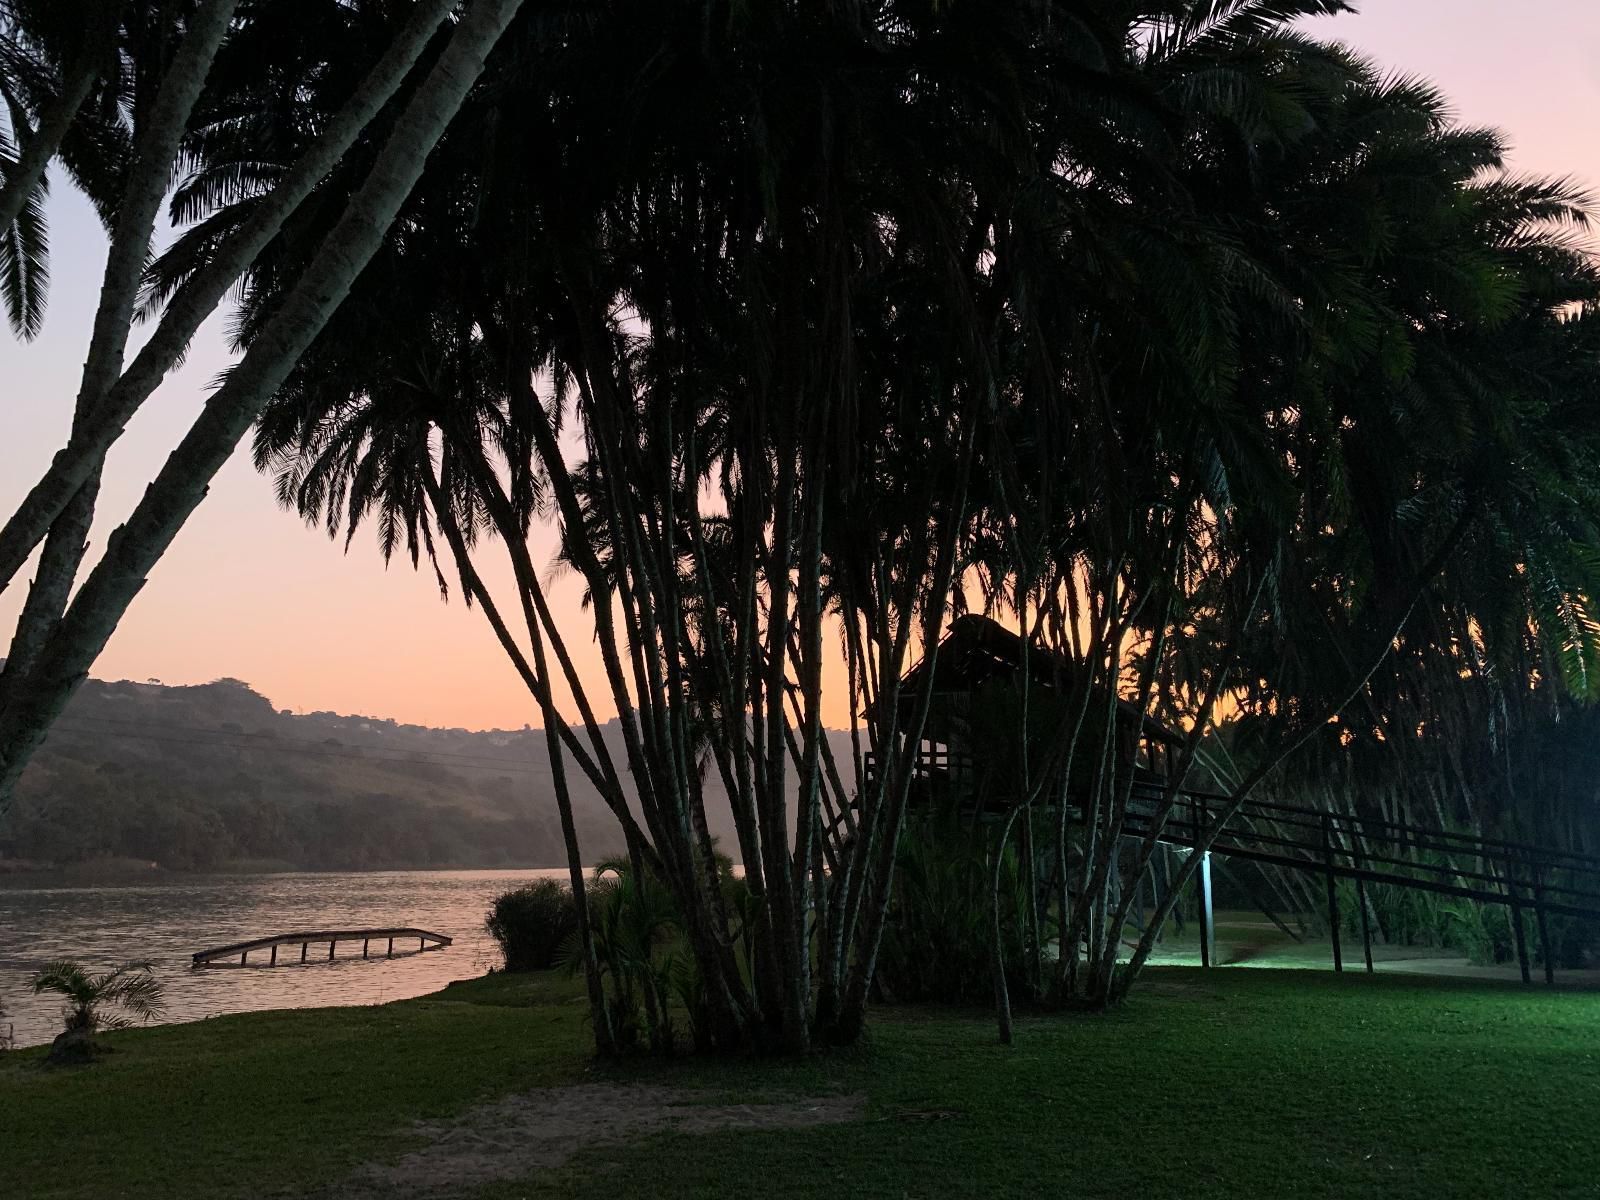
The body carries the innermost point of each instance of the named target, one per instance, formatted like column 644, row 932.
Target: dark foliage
column 531, row 923
column 939, row 943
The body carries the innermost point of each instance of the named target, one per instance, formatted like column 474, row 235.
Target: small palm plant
column 113, row 1000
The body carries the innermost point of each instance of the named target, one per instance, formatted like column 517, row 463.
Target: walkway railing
column 1371, row 850
column 221, row 956
column 1367, row 850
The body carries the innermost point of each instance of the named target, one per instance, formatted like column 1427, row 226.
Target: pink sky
column 248, row 591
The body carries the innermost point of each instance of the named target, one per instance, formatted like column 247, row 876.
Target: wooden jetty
column 224, row 956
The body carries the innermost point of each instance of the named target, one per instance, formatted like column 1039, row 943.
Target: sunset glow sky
column 249, row 591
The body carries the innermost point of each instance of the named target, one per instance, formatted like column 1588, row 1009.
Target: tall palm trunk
column 51, row 587
column 202, row 292
column 538, row 683
column 1002, row 993
column 605, row 1040
column 875, row 897
column 183, row 480
column 154, row 151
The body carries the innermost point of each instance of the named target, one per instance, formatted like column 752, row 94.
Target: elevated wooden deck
column 223, row 956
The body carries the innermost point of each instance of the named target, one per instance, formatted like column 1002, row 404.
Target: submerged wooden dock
column 224, row 956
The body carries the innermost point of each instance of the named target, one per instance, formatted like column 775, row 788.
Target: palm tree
column 1162, row 321
column 112, row 1000
column 191, row 278
column 77, row 635
column 785, row 341
column 1420, row 409
column 158, row 125
column 408, row 430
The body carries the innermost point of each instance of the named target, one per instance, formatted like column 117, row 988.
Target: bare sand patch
column 520, row 1134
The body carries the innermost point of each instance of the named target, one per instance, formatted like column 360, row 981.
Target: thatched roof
column 977, row 650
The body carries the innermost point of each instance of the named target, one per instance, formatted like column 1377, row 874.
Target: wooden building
column 996, row 697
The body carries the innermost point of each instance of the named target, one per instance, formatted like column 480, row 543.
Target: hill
column 213, row 776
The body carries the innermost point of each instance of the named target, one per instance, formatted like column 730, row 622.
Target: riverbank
column 1228, row 1082
column 164, row 923
column 133, row 872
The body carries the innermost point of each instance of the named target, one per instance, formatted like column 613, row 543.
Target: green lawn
column 1228, row 1083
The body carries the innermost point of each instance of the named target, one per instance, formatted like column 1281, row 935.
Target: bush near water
column 531, row 924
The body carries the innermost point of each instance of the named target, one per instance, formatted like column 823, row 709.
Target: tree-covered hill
column 194, row 778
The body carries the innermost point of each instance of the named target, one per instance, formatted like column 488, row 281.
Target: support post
column 1333, row 892
column 1208, row 926
column 1366, row 921
column 391, row 947
column 1361, row 900
column 1166, row 888
column 365, row 942
column 331, row 945
column 1139, row 894
column 1158, row 885
column 304, row 946
column 1522, row 942
column 1517, row 931
column 243, row 957
column 1544, row 926
column 273, row 961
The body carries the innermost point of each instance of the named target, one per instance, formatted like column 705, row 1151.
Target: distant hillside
column 196, row 778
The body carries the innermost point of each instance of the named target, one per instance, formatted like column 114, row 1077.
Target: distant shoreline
column 127, row 872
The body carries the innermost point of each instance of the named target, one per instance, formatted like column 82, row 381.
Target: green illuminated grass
column 1227, row 1083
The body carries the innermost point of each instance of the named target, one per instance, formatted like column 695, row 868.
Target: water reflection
column 166, row 923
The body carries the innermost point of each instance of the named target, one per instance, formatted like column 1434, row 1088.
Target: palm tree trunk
column 1002, row 994
column 605, row 1042
column 600, row 775
column 200, row 295
column 148, row 179
column 638, row 578
column 875, row 905
column 183, row 480
column 52, row 586
column 154, row 151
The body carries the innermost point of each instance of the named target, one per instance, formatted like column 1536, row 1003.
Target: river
column 165, row 923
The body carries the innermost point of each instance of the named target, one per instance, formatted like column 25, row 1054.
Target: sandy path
column 520, row 1134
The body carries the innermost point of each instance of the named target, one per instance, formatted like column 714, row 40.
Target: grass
column 1221, row 1083
column 298, row 1097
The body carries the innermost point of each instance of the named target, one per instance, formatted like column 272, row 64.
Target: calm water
column 165, row 923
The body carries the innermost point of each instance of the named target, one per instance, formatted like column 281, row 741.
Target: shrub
column 635, row 923
column 532, row 923
column 938, row 942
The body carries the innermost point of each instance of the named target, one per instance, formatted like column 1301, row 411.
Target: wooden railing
column 1368, row 850
column 224, row 955
column 1371, row 850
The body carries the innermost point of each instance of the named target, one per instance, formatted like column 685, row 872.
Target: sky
column 248, row 591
